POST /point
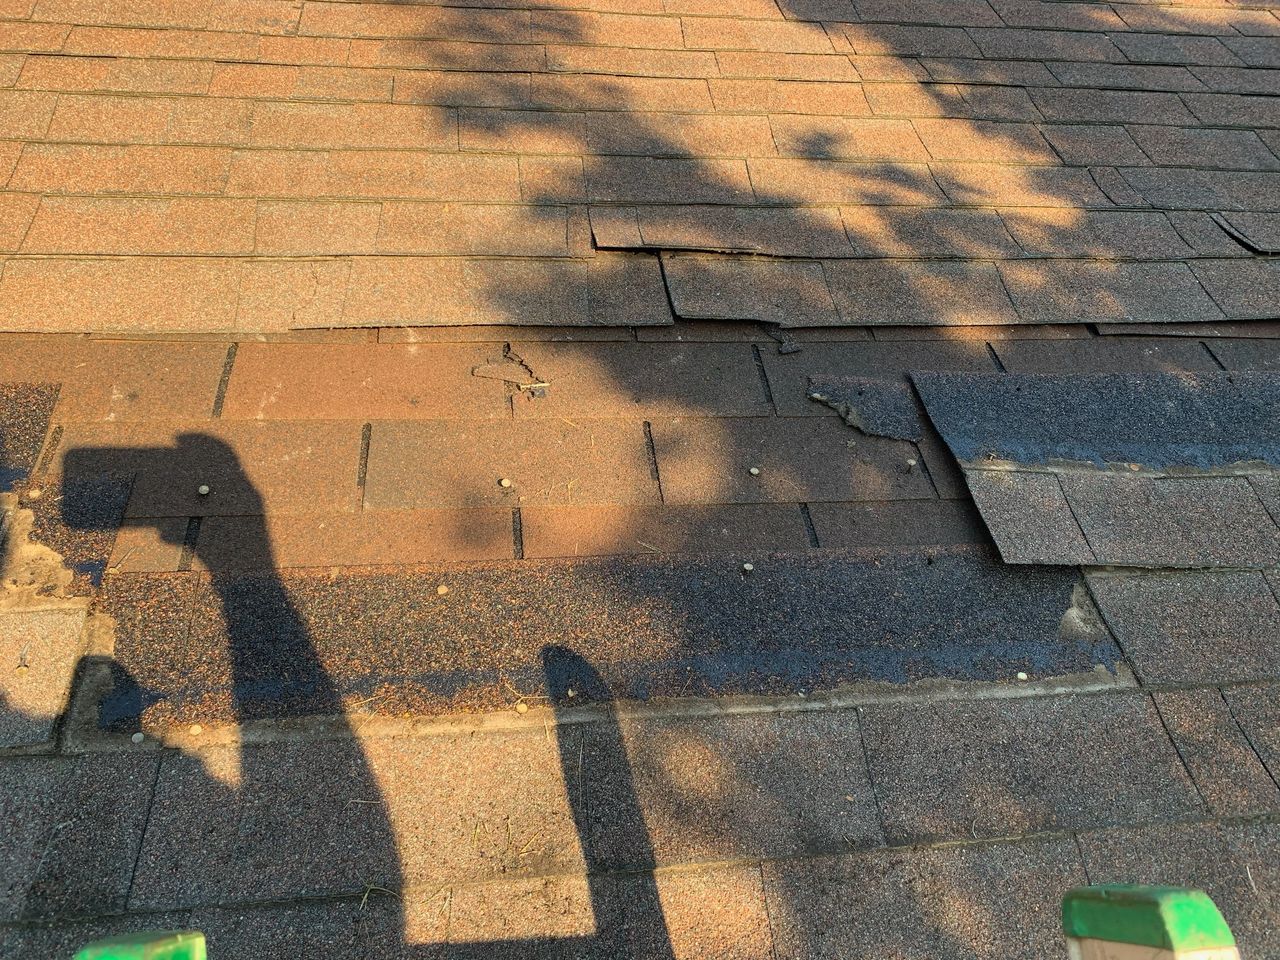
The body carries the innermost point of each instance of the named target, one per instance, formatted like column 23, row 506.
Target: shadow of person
column 268, row 828
column 268, row 824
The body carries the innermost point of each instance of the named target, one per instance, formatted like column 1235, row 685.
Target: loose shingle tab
column 1129, row 469
column 1160, row 421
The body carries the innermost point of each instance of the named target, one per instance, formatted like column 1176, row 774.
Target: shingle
column 964, row 769
column 249, row 466
column 999, row 103
column 680, row 135
column 807, row 459
column 1256, row 51
column 716, row 33
column 367, row 538
column 558, row 531
column 44, row 647
column 1182, row 521
column 907, row 903
column 907, row 41
column 73, row 829
column 442, row 464
column 1116, row 354
column 1217, row 753
column 790, row 96
column 638, row 380
column 877, row 406
column 680, row 625
column 760, row 786
column 1260, row 231
column 1239, row 79
column 1058, row 15
column 1211, row 626
column 1206, row 189
column 1101, row 234
column 985, row 141
column 1247, row 354
column 947, row 13
column 776, row 231
column 919, row 523
column 302, row 840
column 876, row 68
column 1084, row 144
column 791, row 293
column 1245, row 289
column 1111, row 106
column 439, row 290
column 835, row 182
column 1080, row 291
column 830, row 138
column 25, row 409
column 988, row 185
column 1239, row 149
column 908, row 232
column 915, row 99
column 1253, row 709
column 1184, row 51
column 666, row 180
column 1028, row 516
column 1203, row 234
column 786, row 66
column 1236, row 110
column 1045, row 45
column 874, row 292
column 1125, row 76
column 1017, row 73
column 789, row 374
column 1205, row 21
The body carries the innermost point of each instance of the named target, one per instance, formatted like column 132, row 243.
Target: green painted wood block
column 165, row 945
column 1121, row 921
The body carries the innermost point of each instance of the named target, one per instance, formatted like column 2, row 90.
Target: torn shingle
column 876, row 406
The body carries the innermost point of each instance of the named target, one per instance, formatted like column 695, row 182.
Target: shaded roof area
column 262, row 165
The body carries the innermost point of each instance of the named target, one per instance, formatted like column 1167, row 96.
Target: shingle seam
column 1231, row 712
column 1177, row 749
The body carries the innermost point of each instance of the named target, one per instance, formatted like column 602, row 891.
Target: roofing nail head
column 747, row 567
column 203, row 489
column 504, row 483
column 522, row 707
column 754, row 471
column 442, row 590
column 1022, row 676
column 138, row 737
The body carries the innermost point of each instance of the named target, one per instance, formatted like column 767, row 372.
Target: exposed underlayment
column 1145, row 470
column 657, row 629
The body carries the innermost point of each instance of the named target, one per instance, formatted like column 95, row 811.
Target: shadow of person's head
column 198, row 475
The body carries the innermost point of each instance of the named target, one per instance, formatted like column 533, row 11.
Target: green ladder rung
column 156, row 945
column 1122, row 920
